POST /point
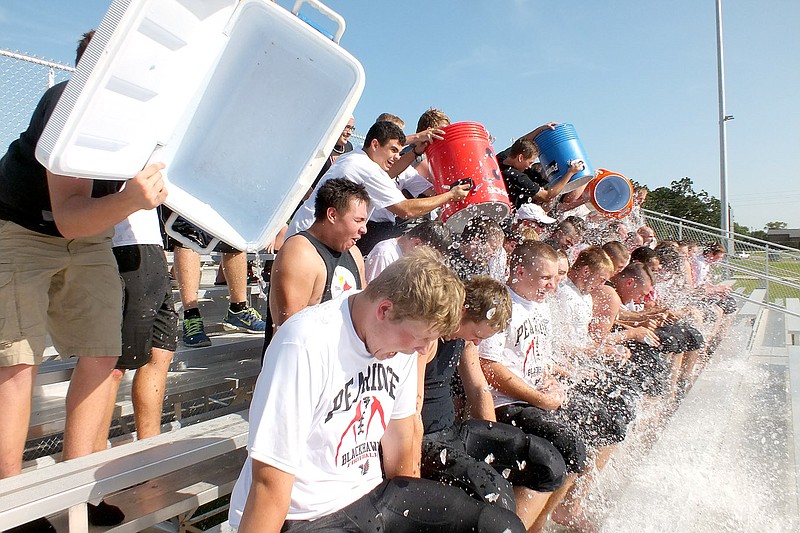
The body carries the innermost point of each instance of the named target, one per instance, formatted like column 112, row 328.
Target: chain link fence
column 23, row 80
column 750, row 263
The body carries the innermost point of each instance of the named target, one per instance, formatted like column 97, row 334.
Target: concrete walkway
column 725, row 461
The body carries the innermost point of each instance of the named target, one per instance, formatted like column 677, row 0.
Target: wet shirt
column 320, row 408
column 574, row 312
column 438, row 411
column 525, row 347
column 521, row 188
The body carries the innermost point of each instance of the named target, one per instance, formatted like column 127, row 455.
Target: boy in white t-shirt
column 520, row 366
column 340, row 381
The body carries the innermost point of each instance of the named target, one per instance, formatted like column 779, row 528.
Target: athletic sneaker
column 194, row 334
column 248, row 320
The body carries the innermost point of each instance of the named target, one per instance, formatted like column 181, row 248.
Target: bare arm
column 419, row 428
column 502, row 379
column 573, row 199
column 268, row 500
column 532, row 135
column 77, row 214
column 359, row 259
column 399, row 457
column 416, row 207
column 295, row 281
column 421, row 141
column 553, row 192
column 476, row 389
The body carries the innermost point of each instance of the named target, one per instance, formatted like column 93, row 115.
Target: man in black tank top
column 316, row 265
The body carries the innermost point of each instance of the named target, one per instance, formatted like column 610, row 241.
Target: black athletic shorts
column 679, row 337
column 191, row 232
column 410, row 505
column 552, row 426
column 650, row 371
column 524, row 459
column 149, row 319
column 445, row 459
column 601, row 417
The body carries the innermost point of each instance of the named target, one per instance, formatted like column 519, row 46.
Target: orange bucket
column 611, row 194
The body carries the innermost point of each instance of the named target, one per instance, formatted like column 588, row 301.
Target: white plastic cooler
column 242, row 100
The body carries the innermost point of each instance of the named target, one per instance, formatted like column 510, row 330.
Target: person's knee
column 545, row 469
column 493, row 518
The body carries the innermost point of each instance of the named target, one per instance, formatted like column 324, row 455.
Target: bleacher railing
column 750, row 263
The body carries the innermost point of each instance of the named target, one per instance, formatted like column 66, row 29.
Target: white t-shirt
column 142, row 227
column 320, row 408
column 358, row 167
column 701, row 270
column 412, row 181
column 574, row 314
column 382, row 255
column 525, row 347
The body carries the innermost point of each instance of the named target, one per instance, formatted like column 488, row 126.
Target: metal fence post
column 680, row 230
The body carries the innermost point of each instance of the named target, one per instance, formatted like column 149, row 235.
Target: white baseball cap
column 534, row 212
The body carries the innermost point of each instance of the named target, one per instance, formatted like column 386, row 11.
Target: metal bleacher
column 724, row 461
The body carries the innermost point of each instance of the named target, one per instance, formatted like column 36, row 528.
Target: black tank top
column 341, row 270
column 438, row 411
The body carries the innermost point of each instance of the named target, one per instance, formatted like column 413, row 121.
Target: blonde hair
column 526, row 253
column 487, row 300
column 421, row 287
column 595, row 258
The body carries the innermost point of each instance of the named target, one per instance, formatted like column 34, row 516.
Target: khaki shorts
column 69, row 289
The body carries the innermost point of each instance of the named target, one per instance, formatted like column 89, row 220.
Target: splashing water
column 722, row 463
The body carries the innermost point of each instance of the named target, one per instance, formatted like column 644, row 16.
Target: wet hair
column 637, row 271
column 432, row 118
column 433, row 233
column 487, row 300
column 337, row 193
column 577, row 223
column 523, row 147
column 481, row 228
column 667, row 244
column 388, row 117
column 384, row 131
column 595, row 258
column 526, row 253
column 643, row 254
column 616, row 250
column 82, row 44
column 422, row 288
column 670, row 258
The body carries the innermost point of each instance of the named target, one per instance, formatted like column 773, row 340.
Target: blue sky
column 637, row 78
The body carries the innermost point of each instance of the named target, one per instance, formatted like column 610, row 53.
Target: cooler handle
column 325, row 10
column 187, row 243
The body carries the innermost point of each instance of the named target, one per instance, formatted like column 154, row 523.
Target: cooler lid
column 242, row 100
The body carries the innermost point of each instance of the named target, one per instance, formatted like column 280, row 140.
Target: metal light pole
column 723, row 141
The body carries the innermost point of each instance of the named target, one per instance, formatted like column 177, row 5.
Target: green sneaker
column 248, row 321
column 194, row 334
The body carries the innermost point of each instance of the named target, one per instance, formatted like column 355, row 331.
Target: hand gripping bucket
column 465, row 155
column 611, row 194
column 557, row 147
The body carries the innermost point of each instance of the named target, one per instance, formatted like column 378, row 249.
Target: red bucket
column 466, row 155
column 611, row 194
